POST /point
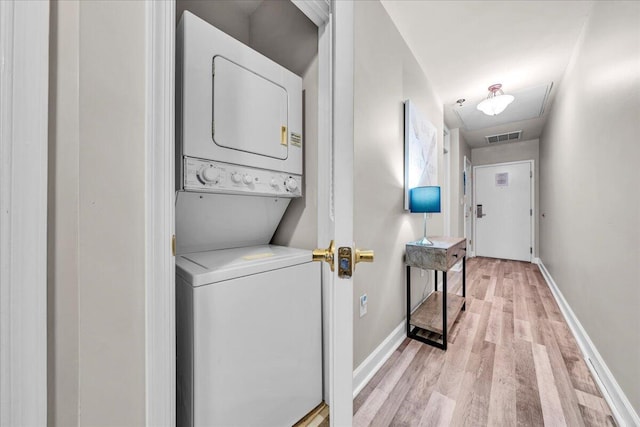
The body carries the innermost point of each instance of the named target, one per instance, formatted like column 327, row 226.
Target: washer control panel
column 218, row 177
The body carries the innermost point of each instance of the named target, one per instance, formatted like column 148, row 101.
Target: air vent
column 504, row 137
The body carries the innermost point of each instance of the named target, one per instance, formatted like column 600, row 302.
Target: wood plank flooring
column 512, row 361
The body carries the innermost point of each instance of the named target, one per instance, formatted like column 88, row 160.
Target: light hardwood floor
column 511, row 361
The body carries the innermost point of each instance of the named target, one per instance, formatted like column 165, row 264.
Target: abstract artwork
column 420, row 151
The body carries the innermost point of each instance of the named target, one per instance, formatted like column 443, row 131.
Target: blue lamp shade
column 424, row 199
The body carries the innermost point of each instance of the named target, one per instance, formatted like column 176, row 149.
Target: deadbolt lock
column 325, row 254
column 346, row 258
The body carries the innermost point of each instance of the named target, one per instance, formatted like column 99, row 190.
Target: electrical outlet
column 363, row 304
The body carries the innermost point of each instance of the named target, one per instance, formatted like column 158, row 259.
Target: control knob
column 209, row 175
column 235, row 177
column 247, row 179
column 274, row 183
column 291, row 184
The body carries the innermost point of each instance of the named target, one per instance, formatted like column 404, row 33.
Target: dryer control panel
column 226, row 178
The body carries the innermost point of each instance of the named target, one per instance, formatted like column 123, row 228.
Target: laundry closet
column 248, row 296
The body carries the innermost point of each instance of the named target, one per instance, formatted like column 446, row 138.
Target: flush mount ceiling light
column 496, row 101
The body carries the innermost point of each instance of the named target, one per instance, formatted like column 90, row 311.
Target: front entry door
column 503, row 210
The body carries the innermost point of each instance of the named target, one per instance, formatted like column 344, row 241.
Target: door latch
column 479, row 213
column 345, row 266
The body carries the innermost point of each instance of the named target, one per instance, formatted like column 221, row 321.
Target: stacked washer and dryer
column 249, row 344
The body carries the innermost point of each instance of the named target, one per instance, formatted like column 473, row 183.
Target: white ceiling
column 465, row 46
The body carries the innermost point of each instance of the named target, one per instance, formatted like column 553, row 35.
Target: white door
column 335, row 203
column 503, row 210
column 467, row 178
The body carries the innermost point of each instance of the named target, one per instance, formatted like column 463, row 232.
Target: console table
column 440, row 310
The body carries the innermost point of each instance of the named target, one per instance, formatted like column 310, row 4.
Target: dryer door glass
column 249, row 112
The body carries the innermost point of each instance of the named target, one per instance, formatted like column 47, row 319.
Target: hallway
column 512, row 360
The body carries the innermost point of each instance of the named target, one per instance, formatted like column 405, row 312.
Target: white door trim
column 24, row 79
column 160, row 348
column 325, row 186
column 468, row 204
column 448, row 191
column 532, row 186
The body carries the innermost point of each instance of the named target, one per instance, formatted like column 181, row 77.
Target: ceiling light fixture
column 496, row 101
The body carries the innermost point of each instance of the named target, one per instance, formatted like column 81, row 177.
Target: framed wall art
column 420, row 151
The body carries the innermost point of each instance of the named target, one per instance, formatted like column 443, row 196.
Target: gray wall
column 386, row 74
column 299, row 226
column 510, row 152
column 96, row 262
column 589, row 151
column 275, row 28
column 513, row 152
column 283, row 33
column 224, row 14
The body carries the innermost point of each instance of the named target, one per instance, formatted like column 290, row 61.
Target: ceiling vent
column 504, row 137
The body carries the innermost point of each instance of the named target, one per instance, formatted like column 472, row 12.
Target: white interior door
column 335, row 202
column 503, row 210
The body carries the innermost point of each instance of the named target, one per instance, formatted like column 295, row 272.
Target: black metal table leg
column 464, row 282
column 444, row 310
column 435, row 280
column 408, row 301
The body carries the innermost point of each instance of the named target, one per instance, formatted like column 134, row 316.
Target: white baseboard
column 535, row 260
column 372, row 364
column 622, row 409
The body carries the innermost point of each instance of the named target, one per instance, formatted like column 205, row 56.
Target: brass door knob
column 364, row 255
column 325, row 255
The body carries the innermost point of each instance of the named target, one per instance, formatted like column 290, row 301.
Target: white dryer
column 238, row 142
column 249, row 348
column 236, row 107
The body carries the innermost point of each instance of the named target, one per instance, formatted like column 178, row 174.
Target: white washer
column 262, row 307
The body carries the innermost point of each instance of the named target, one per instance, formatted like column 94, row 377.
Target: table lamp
column 425, row 200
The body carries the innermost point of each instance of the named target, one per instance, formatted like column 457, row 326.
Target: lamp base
column 425, row 242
